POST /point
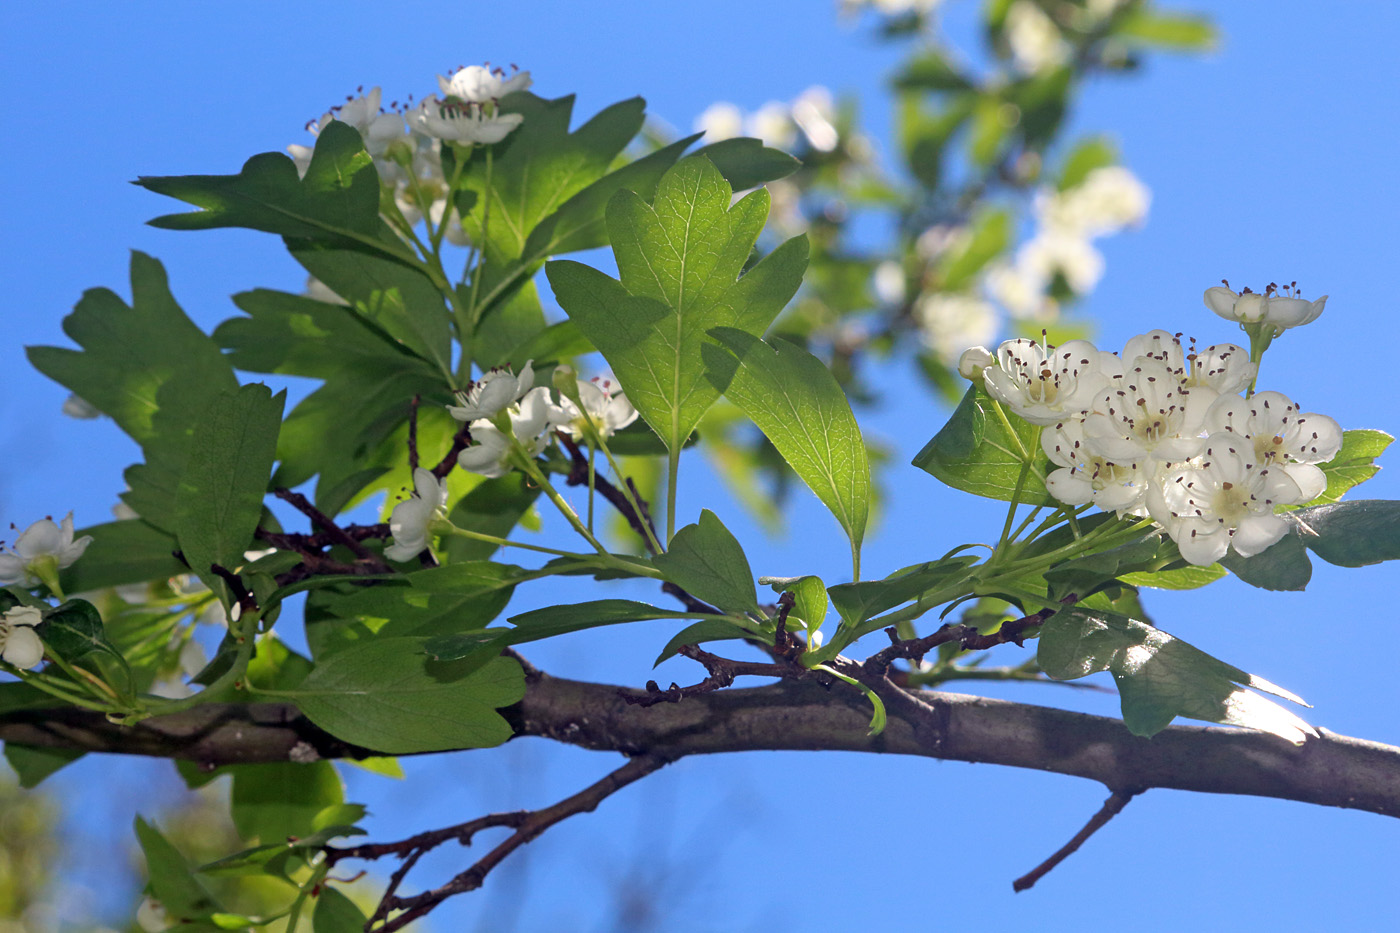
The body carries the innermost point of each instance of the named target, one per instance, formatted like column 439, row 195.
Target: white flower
column 42, row 542
column 1108, row 199
column 973, row 363
column 1067, row 252
column 1035, row 40
column 813, row 111
column 1020, row 291
column 377, row 128
column 604, row 404
column 773, row 124
column 477, row 84
column 1222, row 367
column 719, row 121
column 1225, row 497
column 74, row 406
column 492, row 393
column 1281, row 436
column 888, row 282
column 19, row 645
column 1147, row 413
column 408, row 522
column 151, row 916
column 951, row 323
column 489, row 453
column 1086, row 477
column 464, row 123
column 1046, row 385
column 1247, row 307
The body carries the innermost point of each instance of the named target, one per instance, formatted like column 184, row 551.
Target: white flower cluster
column 507, row 413
column 406, row 141
column 776, row 123
column 1109, row 199
column 1164, row 431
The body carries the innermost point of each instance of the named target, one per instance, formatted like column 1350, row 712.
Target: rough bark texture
column 1332, row 770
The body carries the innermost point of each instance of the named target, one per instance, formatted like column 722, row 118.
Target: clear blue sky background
column 1272, row 159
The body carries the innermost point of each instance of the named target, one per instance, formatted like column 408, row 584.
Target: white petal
column 23, row 648
column 1222, row 301
column 1258, row 532
column 1201, row 543
column 1311, row 481
column 1069, row 487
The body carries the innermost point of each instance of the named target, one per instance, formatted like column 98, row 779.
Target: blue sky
column 1271, row 159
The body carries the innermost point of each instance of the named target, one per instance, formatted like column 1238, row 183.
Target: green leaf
column 436, row 601
column 129, row 551
column 337, row 200
column 809, row 594
column 1161, row 677
column 560, row 620
column 1353, row 464
column 706, row 560
column 558, row 343
column 172, row 882
column 510, row 324
column 679, row 261
column 1169, row 30
column 354, row 430
column 75, row 630
column 540, row 165
column 1176, row 578
column 713, row 629
column 335, row 913
column 1284, row 566
column 275, row 666
column 1089, row 154
column 931, row 70
column 799, row 406
column 858, row 602
column 219, row 500
column 397, row 299
column 385, row 695
column 139, row 360
column 747, row 163
column 1350, row 534
column 33, row 763
column 976, row 453
column 989, row 237
column 1085, row 575
column 300, row 336
column 271, row 802
column 579, row 222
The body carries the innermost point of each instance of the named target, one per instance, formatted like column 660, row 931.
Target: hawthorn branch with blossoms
column 454, row 400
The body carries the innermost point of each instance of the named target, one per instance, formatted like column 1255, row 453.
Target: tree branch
column 1331, row 770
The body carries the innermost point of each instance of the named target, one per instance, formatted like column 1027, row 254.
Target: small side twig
column 528, row 824
column 327, row 524
column 968, row 638
column 721, row 671
column 1111, row 808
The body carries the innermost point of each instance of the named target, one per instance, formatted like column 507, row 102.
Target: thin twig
column 1111, row 808
column 967, row 637
column 460, row 441
column 722, row 672
column 336, row 533
column 528, row 824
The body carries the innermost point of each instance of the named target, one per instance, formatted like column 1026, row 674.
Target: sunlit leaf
column 1159, row 676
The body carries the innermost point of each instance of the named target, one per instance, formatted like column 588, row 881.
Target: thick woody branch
column 1331, row 770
